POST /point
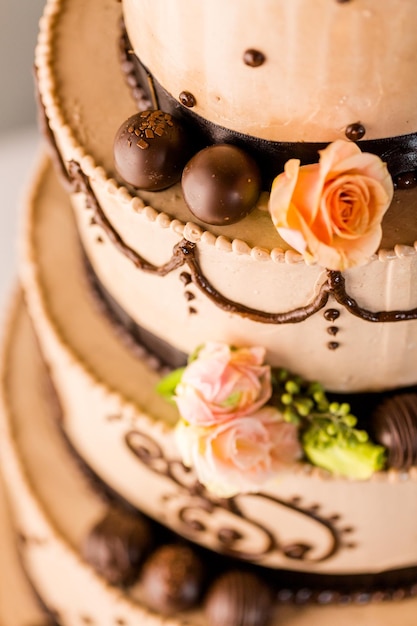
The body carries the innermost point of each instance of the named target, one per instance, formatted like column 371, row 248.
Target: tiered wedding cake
column 209, row 370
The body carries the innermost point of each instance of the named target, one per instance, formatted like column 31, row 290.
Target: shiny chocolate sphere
column 150, row 150
column 221, row 184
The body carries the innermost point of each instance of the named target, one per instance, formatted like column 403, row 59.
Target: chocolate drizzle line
column 185, row 253
column 337, row 287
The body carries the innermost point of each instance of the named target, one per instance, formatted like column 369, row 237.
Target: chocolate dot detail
column 333, row 345
column 296, row 550
column 185, row 278
column 228, row 536
column 189, row 295
column 303, row 595
column 333, row 330
column 406, row 180
column 187, row 99
column 253, row 58
column 331, row 315
column 355, row 131
column 192, row 310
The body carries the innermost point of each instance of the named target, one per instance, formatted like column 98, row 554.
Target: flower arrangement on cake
column 243, row 423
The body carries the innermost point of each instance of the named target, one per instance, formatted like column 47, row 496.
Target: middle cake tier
column 122, row 431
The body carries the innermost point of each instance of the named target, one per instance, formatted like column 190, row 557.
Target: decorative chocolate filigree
column 185, row 253
column 236, row 533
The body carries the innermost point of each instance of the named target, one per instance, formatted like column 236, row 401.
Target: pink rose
column 223, row 383
column 241, row 455
column 331, row 211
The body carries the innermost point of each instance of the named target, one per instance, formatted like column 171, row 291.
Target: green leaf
column 167, row 385
column 358, row 460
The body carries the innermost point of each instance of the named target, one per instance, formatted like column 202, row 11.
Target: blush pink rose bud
column 331, row 211
column 241, row 455
column 223, row 383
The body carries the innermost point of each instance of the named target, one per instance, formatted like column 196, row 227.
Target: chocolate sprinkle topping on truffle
column 395, row 427
column 238, row 599
column 117, row 545
column 172, row 578
column 150, row 150
column 356, row 131
column 253, row 58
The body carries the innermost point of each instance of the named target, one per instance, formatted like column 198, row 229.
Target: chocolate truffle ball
column 150, row 150
column 238, row 599
column 117, row 545
column 221, row 184
column 394, row 424
column 171, row 579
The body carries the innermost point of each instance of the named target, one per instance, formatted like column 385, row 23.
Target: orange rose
column 331, row 211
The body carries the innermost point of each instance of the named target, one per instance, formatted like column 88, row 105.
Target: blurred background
column 19, row 138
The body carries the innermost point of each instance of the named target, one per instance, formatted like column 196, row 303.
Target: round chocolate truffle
column 117, row 545
column 171, row 579
column 221, row 184
column 150, row 150
column 238, row 598
column 394, row 424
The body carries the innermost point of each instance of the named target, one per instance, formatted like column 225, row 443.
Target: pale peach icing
column 113, row 412
column 205, row 371
column 327, row 64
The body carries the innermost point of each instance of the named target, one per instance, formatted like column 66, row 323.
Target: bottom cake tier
column 54, row 509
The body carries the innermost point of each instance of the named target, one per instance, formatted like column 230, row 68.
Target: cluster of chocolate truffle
column 221, row 183
column 168, row 576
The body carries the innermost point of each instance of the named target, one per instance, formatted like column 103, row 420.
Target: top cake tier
column 284, row 70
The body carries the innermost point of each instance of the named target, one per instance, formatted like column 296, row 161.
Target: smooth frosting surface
column 325, row 65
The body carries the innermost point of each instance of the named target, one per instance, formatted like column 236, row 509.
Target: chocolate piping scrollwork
column 185, row 254
column 237, row 529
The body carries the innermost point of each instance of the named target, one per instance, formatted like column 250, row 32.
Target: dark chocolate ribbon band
column 400, row 153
